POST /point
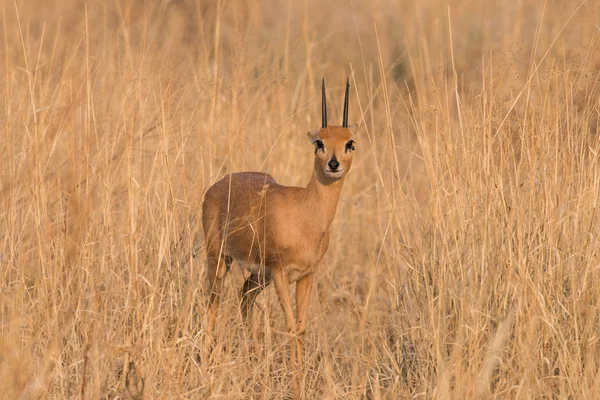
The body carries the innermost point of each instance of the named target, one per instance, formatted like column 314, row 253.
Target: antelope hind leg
column 216, row 270
column 252, row 287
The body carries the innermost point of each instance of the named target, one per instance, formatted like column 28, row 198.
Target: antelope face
column 334, row 149
column 334, row 145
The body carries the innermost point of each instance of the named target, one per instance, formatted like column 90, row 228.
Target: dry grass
column 464, row 258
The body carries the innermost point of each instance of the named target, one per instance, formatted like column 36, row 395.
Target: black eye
column 318, row 146
column 349, row 145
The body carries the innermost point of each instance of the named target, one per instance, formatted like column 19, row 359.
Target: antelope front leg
column 303, row 289
column 283, row 292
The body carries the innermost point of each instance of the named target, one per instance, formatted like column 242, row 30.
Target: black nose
column 333, row 163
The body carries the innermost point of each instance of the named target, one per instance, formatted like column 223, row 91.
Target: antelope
column 279, row 233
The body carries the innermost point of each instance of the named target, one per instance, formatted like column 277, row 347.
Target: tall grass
column 464, row 257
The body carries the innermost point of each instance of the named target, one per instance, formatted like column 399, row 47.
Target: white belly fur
column 294, row 272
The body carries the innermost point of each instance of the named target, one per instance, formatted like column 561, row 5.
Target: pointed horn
column 324, row 104
column 345, row 120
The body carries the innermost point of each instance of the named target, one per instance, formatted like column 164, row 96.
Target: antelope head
column 334, row 145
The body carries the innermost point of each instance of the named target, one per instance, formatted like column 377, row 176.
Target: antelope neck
column 322, row 194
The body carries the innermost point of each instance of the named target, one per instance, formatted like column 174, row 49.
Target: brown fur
column 280, row 233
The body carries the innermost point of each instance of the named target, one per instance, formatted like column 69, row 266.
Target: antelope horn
column 324, row 104
column 345, row 120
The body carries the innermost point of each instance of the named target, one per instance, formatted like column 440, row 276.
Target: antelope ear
column 313, row 135
column 353, row 128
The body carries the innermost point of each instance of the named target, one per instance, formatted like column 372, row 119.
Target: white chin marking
column 334, row 175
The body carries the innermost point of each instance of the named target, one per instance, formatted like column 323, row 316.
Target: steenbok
column 279, row 233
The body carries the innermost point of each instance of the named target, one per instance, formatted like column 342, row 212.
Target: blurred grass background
column 464, row 257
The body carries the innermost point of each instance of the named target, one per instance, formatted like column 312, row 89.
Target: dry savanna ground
column 464, row 256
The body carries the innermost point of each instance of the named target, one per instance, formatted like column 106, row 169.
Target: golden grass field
column 465, row 254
